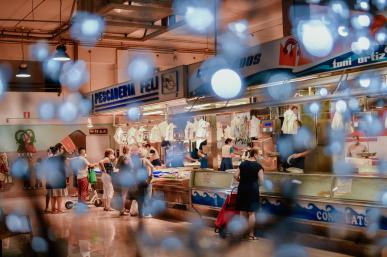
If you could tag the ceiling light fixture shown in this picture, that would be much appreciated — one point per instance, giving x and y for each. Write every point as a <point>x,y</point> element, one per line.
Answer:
<point>23,73</point>
<point>61,54</point>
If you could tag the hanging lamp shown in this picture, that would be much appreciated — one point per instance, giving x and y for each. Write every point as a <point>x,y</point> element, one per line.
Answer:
<point>61,54</point>
<point>23,72</point>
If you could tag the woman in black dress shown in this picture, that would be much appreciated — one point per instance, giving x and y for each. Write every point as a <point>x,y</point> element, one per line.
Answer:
<point>250,176</point>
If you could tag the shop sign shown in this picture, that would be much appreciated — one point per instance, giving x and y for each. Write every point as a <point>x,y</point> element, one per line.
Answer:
<point>163,86</point>
<point>285,58</point>
<point>98,131</point>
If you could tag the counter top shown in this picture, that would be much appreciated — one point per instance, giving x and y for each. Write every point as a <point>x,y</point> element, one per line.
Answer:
<point>328,174</point>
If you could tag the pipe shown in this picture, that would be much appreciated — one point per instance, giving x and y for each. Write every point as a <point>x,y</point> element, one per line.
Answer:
<point>28,20</point>
<point>33,9</point>
<point>156,49</point>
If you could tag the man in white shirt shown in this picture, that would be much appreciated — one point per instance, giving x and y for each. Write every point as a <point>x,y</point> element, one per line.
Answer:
<point>355,149</point>
<point>80,166</point>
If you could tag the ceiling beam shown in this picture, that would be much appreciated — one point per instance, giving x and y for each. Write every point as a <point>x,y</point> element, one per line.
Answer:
<point>165,10</point>
<point>142,25</point>
<point>162,31</point>
<point>165,3</point>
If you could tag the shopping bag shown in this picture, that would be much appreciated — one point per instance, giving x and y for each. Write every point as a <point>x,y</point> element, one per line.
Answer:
<point>92,176</point>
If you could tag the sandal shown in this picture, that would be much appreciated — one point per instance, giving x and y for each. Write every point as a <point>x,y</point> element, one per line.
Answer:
<point>252,238</point>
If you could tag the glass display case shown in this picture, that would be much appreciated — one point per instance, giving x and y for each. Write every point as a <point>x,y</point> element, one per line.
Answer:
<point>322,198</point>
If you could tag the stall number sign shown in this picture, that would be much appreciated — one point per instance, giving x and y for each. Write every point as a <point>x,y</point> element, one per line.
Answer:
<point>98,131</point>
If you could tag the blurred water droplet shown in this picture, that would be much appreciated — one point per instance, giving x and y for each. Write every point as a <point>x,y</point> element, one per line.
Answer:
<point>239,27</point>
<point>384,199</point>
<point>74,74</point>
<point>362,44</point>
<point>341,167</point>
<point>171,244</point>
<point>314,108</point>
<point>340,8</point>
<point>85,106</point>
<point>134,113</point>
<point>81,208</point>
<point>20,168</point>
<point>68,111</point>
<point>382,167</point>
<point>52,69</point>
<point>343,31</point>
<point>353,104</point>
<point>199,19</point>
<point>364,5</point>
<point>361,21</point>
<point>316,37</point>
<point>281,89</point>
<point>39,244</point>
<point>262,217</point>
<point>290,250</point>
<point>17,223</point>
<point>371,126</point>
<point>226,83</point>
<point>268,184</point>
<point>141,68</point>
<point>237,226</point>
<point>47,110</point>
<point>341,106</point>
<point>39,51</point>
<point>87,27</point>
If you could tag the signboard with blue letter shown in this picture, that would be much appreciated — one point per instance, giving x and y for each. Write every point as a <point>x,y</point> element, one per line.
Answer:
<point>163,86</point>
<point>284,58</point>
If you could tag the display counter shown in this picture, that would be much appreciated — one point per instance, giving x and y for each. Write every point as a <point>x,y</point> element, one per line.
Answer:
<point>321,198</point>
<point>173,183</point>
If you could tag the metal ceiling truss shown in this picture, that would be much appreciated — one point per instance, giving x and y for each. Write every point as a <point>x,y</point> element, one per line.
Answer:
<point>161,20</point>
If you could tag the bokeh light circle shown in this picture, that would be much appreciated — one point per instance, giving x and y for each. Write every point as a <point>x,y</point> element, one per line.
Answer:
<point>316,37</point>
<point>226,83</point>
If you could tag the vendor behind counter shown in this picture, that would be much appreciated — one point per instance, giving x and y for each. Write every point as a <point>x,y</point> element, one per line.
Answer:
<point>293,148</point>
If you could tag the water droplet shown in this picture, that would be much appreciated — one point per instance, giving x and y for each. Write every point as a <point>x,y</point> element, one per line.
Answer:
<point>226,83</point>
<point>47,110</point>
<point>316,37</point>
<point>39,244</point>
<point>199,18</point>
<point>68,111</point>
<point>134,113</point>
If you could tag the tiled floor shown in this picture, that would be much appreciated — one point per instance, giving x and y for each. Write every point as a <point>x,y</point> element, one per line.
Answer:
<point>99,233</point>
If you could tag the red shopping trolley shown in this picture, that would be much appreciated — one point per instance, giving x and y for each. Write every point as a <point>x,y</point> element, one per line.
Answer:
<point>226,214</point>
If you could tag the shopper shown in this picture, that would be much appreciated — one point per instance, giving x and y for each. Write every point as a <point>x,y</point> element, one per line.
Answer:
<point>107,167</point>
<point>250,176</point>
<point>44,170</point>
<point>124,176</point>
<point>154,159</point>
<point>202,153</point>
<point>4,169</point>
<point>57,178</point>
<point>227,153</point>
<point>38,178</point>
<point>143,171</point>
<point>80,166</point>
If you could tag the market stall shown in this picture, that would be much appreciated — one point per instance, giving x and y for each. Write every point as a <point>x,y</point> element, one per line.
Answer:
<point>331,115</point>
